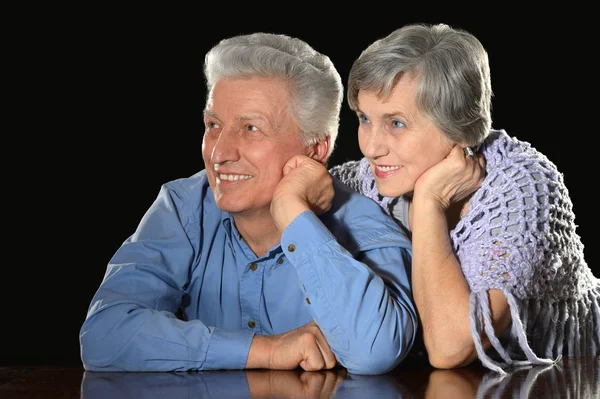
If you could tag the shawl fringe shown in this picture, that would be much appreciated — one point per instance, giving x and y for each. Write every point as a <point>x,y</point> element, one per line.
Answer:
<point>574,323</point>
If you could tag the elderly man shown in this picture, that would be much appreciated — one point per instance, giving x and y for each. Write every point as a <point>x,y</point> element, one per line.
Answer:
<point>260,260</point>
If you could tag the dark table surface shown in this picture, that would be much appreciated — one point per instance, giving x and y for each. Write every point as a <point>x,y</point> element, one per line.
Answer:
<point>568,378</point>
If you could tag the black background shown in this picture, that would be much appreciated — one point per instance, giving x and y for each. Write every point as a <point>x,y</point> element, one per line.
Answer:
<point>103,104</point>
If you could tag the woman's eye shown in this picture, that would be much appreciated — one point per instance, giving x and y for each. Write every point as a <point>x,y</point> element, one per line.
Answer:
<point>363,119</point>
<point>397,124</point>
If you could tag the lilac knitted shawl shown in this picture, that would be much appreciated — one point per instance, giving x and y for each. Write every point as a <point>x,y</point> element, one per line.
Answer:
<point>518,236</point>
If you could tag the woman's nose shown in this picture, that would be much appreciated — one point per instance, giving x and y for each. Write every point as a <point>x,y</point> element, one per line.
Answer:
<point>375,145</point>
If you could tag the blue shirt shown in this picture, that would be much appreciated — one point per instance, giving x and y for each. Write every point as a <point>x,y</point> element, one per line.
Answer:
<point>348,270</point>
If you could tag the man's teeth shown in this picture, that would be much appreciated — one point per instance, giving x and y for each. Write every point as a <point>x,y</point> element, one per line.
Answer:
<point>234,177</point>
<point>387,168</point>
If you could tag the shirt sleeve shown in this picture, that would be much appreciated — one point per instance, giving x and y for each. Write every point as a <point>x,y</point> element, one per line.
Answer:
<point>362,300</point>
<point>131,323</point>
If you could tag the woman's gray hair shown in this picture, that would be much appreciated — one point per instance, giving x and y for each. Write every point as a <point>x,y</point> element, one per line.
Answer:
<point>453,88</point>
<point>316,87</point>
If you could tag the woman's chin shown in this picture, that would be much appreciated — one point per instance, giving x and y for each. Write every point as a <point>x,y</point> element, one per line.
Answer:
<point>391,192</point>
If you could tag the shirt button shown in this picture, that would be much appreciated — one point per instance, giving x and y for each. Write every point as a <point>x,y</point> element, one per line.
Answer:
<point>291,247</point>
<point>308,301</point>
<point>253,266</point>
<point>251,324</point>
<point>280,260</point>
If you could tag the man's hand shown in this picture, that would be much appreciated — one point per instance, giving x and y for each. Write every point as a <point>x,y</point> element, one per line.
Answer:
<point>306,184</point>
<point>304,347</point>
<point>294,384</point>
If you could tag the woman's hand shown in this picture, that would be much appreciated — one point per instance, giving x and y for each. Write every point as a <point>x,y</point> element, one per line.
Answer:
<point>453,179</point>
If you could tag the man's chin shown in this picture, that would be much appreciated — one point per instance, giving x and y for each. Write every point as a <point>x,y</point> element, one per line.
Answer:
<point>228,207</point>
<point>234,207</point>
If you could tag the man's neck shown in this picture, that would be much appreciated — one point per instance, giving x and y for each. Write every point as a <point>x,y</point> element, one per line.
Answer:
<point>258,230</point>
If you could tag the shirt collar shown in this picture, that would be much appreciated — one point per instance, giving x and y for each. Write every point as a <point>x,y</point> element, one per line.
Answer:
<point>229,225</point>
<point>235,236</point>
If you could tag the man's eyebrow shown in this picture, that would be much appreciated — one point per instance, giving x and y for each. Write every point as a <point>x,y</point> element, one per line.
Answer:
<point>262,118</point>
<point>210,113</point>
<point>243,118</point>
<point>251,117</point>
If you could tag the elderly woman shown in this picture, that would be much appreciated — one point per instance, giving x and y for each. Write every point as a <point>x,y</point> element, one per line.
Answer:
<point>498,268</point>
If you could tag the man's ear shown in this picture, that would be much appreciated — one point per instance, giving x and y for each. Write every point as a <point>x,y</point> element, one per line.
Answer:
<point>320,150</point>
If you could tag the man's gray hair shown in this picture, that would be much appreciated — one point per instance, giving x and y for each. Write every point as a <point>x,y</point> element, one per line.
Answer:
<point>315,85</point>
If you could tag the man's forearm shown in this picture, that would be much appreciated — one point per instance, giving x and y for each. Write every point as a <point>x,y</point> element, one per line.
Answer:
<point>370,323</point>
<point>369,328</point>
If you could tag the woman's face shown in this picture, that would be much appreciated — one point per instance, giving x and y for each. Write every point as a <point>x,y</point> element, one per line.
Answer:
<point>399,141</point>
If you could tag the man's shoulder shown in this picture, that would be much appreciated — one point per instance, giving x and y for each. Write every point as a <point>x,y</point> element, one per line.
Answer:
<point>359,219</point>
<point>192,192</point>
<point>352,204</point>
<point>191,185</point>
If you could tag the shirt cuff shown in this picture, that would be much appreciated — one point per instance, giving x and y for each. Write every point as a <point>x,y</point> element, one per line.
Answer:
<point>228,349</point>
<point>303,236</point>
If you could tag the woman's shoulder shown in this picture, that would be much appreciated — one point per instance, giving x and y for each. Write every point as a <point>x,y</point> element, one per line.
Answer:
<point>514,164</point>
<point>349,173</point>
<point>348,168</point>
<point>522,188</point>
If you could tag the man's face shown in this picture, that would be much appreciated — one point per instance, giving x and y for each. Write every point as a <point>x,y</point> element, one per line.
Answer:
<point>250,135</point>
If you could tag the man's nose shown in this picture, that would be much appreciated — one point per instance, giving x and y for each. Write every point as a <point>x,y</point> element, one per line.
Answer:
<point>225,147</point>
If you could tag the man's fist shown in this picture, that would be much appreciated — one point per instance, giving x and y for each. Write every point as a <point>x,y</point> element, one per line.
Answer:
<point>306,185</point>
<point>304,347</point>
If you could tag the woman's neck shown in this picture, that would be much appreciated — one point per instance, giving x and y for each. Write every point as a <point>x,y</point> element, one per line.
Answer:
<point>454,213</point>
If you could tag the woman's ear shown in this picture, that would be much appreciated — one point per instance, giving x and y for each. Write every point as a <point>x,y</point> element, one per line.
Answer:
<point>319,151</point>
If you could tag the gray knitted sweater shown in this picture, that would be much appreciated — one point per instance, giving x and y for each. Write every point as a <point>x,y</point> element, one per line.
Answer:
<point>518,236</point>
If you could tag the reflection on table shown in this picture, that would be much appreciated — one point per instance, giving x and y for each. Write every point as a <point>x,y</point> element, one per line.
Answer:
<point>569,378</point>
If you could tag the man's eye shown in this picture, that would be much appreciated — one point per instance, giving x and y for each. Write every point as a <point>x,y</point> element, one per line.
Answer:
<point>251,128</point>
<point>210,124</point>
<point>363,119</point>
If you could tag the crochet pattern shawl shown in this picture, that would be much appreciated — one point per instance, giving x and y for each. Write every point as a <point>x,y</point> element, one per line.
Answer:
<point>518,236</point>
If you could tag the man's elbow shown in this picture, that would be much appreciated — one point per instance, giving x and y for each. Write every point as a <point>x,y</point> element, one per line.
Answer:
<point>383,355</point>
<point>92,356</point>
<point>372,365</point>
<point>95,354</point>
